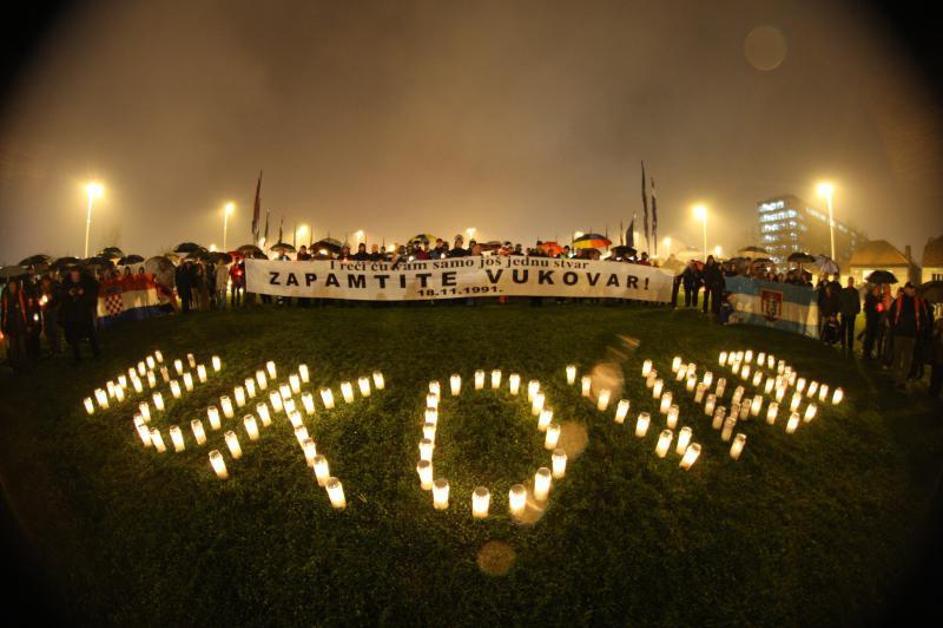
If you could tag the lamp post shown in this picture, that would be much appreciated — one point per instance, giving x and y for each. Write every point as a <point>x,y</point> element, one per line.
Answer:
<point>826,189</point>
<point>700,212</point>
<point>470,232</point>
<point>93,190</point>
<point>667,243</point>
<point>228,209</point>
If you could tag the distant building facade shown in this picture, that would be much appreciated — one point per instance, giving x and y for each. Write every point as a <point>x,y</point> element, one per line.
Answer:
<point>882,255</point>
<point>933,260</point>
<point>788,224</point>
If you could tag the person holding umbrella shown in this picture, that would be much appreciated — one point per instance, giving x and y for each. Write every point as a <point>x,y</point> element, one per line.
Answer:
<point>15,323</point>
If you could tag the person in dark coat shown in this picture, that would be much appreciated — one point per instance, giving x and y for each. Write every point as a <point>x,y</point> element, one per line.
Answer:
<point>936,359</point>
<point>183,278</point>
<point>691,279</point>
<point>849,304</point>
<point>713,285</point>
<point>49,302</point>
<point>361,255</point>
<point>872,320</point>
<point>905,329</point>
<point>15,323</point>
<point>77,311</point>
<point>458,250</point>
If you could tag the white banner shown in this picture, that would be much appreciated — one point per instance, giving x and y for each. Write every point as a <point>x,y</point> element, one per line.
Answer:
<point>457,278</point>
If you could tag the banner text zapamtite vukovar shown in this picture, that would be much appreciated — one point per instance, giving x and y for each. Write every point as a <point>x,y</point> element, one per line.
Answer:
<point>458,277</point>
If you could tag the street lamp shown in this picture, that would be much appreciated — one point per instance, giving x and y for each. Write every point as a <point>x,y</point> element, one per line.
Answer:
<point>228,209</point>
<point>700,212</point>
<point>93,190</point>
<point>826,189</point>
<point>301,233</point>
<point>470,232</point>
<point>667,242</point>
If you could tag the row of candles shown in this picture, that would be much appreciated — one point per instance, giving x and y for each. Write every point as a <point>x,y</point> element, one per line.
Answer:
<point>481,495</point>
<point>121,387</point>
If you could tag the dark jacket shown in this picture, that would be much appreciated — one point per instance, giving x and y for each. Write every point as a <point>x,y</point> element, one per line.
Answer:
<point>79,301</point>
<point>849,302</point>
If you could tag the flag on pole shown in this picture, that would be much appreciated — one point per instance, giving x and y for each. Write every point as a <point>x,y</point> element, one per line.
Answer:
<point>257,208</point>
<point>281,223</point>
<point>645,207</point>
<point>654,217</point>
<point>265,237</point>
<point>630,233</point>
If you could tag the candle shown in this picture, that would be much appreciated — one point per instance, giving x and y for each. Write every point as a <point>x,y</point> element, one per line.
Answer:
<point>496,378</point>
<point>212,414</point>
<point>434,388</point>
<point>542,481</point>
<point>251,427</point>
<point>301,434</point>
<point>431,415</point>
<point>771,412</point>
<point>586,383</point>
<point>571,373</point>
<point>285,391</point>
<point>175,389</point>
<point>322,470</point>
<point>622,410</point>
<point>158,355</point>
<point>537,404</point>
<point>176,437</point>
<point>744,409</point>
<point>676,364</point>
<point>780,393</point>
<point>378,380</point>
<point>119,393</point>
<point>249,385</point>
<point>89,406</point>
<point>455,384</point>
<point>226,404</point>
<point>558,461</point>
<point>812,388</point>
<point>664,442</point>
<point>641,426</point>
<point>656,388</point>
<point>709,404</point>
<point>681,373</point>
<point>739,442</point>
<point>602,400</point>
<point>335,492</point>
<point>275,398</point>
<point>552,437</point>
<point>218,464</point>
<point>262,410</point>
<point>690,384</point>
<point>837,396</point>
<point>110,387</point>
<point>756,405</point>
<point>718,420</point>
<point>307,400</point>
<point>261,379</point>
<point>809,412</point>
<point>699,393</point>
<point>432,401</point>
<point>533,386</point>
<point>721,387</point>
<point>164,375</point>
<point>768,387</point>
<point>424,469</point>
<point>157,441</point>
<point>690,456</point>
<point>479,379</point>
<point>440,494</point>
<point>143,432</point>
<point>723,358</point>
<point>149,360</point>
<point>748,356</point>
<point>270,368</point>
<point>729,423</point>
<point>232,441</point>
<point>708,379</point>
<point>544,419</point>
<point>735,368</point>
<point>327,398</point>
<point>646,368</point>
<point>191,360</point>
<point>303,373</point>
<point>795,401</point>
<point>514,383</point>
<point>198,432</point>
<point>481,502</point>
<point>136,382</point>
<point>178,366</point>
<point>152,379</point>
<point>294,382</point>
<point>347,391</point>
<point>426,446</point>
<point>517,500</point>
<point>363,383</point>
<point>737,394</point>
<point>684,439</point>
<point>823,393</point>
<point>428,430</point>
<point>665,402</point>
<point>757,378</point>
<point>102,397</point>
<point>650,379</point>
<point>310,450</point>
<point>673,416</point>
<point>800,384</point>
<point>158,401</point>
<point>188,381</point>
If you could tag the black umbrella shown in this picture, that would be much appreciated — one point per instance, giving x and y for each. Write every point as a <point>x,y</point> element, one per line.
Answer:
<point>65,262</point>
<point>9,272</point>
<point>257,255</point>
<point>763,261</point>
<point>187,247</point>
<point>98,261</point>
<point>111,252</point>
<point>200,254</point>
<point>327,244</point>
<point>35,260</point>
<point>127,260</point>
<point>932,291</point>
<point>752,249</point>
<point>622,251</point>
<point>282,247</point>
<point>881,276</point>
<point>800,258</point>
<point>218,256</point>
<point>246,249</point>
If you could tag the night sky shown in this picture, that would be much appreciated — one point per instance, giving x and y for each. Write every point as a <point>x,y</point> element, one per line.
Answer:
<point>526,120</point>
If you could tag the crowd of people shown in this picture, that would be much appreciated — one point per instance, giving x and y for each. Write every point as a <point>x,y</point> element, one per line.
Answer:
<point>899,333</point>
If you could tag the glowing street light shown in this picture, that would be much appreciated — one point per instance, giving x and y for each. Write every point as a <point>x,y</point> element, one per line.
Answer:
<point>826,189</point>
<point>301,233</point>
<point>700,212</point>
<point>470,232</point>
<point>93,190</point>
<point>228,209</point>
<point>666,241</point>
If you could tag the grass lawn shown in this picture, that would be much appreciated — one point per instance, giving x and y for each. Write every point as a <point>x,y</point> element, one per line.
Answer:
<point>818,527</point>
